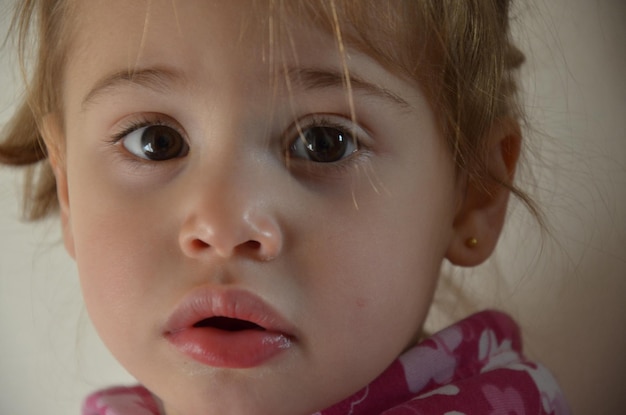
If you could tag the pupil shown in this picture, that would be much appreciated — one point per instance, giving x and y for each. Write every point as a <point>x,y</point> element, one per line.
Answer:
<point>325,144</point>
<point>161,143</point>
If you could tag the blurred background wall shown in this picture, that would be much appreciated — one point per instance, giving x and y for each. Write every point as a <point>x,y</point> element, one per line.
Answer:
<point>567,289</point>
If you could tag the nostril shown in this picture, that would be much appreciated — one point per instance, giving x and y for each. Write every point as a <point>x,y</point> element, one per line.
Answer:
<point>249,248</point>
<point>260,239</point>
<point>198,244</point>
<point>253,245</point>
<point>256,249</point>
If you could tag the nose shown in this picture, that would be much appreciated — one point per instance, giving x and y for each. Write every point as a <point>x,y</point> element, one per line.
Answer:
<point>228,199</point>
<point>223,233</point>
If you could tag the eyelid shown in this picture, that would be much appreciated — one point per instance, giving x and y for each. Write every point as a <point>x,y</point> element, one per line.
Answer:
<point>136,122</point>
<point>338,122</point>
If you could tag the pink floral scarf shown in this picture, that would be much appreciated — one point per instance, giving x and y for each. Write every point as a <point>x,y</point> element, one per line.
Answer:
<point>473,367</point>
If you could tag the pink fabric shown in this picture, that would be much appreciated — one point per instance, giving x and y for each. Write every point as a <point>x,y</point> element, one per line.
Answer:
<point>472,367</point>
<point>121,400</point>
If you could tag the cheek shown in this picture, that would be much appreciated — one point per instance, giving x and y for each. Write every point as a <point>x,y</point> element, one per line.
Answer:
<point>108,250</point>
<point>380,271</point>
<point>117,244</point>
<point>369,288</point>
<point>378,265</point>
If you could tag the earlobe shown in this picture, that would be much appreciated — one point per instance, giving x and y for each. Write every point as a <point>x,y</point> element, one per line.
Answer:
<point>481,215</point>
<point>52,134</point>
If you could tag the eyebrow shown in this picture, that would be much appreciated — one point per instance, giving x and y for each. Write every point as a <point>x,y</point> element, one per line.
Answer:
<point>160,80</point>
<point>157,79</point>
<point>317,78</point>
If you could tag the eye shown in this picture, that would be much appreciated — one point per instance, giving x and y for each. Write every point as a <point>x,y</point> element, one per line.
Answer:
<point>323,144</point>
<point>156,143</point>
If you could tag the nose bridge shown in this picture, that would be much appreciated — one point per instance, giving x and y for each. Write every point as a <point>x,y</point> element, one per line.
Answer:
<point>228,206</point>
<point>231,176</point>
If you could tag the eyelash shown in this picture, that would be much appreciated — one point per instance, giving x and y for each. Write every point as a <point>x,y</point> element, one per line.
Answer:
<point>141,122</point>
<point>359,155</point>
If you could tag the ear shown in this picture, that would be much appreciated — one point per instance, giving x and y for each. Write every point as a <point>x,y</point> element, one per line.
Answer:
<point>479,220</point>
<point>52,133</point>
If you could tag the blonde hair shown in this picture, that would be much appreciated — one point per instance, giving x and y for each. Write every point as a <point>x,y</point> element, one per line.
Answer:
<point>38,27</point>
<point>459,52</point>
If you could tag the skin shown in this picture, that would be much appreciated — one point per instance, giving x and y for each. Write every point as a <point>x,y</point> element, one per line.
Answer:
<point>347,252</point>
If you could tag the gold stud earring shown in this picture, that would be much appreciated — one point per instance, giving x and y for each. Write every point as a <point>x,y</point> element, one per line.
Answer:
<point>471,242</point>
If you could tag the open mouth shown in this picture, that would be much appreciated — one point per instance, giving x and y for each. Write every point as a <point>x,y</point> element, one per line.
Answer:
<point>228,328</point>
<point>228,324</point>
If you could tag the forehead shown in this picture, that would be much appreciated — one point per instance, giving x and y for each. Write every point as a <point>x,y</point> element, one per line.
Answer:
<point>132,31</point>
<point>382,30</point>
<point>203,37</point>
<point>210,45</point>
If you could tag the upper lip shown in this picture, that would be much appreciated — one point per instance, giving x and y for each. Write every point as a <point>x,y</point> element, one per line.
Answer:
<point>206,302</point>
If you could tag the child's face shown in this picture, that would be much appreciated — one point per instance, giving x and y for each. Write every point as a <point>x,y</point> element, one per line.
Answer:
<point>334,249</point>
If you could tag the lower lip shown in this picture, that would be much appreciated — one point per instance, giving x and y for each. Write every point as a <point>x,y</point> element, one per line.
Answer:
<point>220,348</point>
